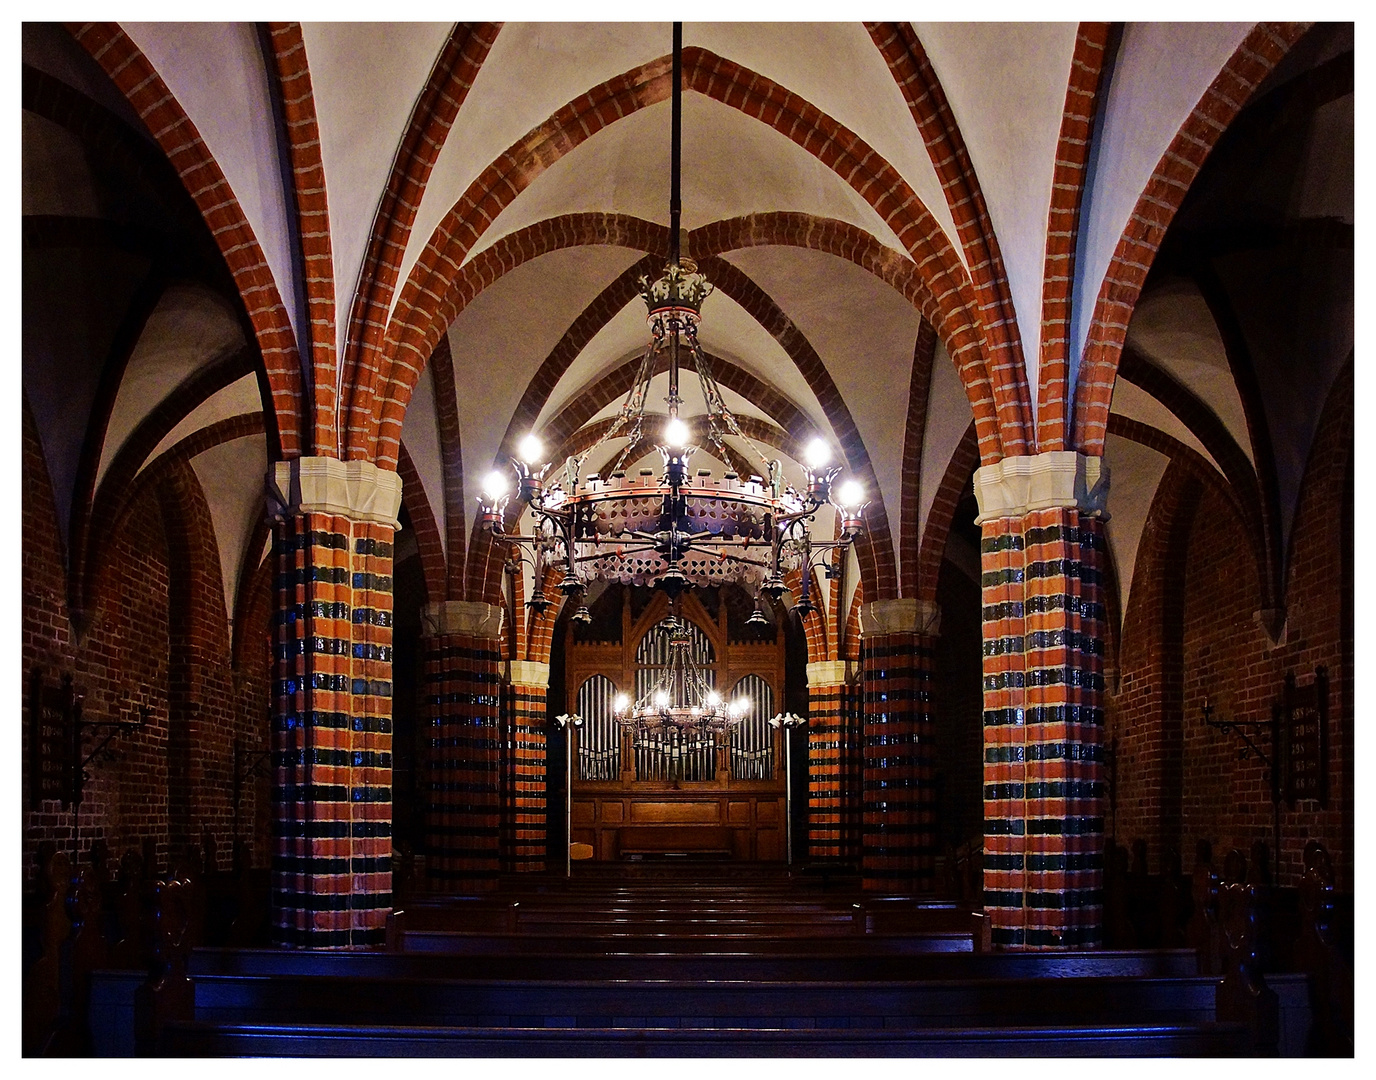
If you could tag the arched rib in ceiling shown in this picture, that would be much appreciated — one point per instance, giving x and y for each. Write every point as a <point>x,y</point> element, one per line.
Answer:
<point>1172,327</point>
<point>191,327</point>
<point>423,299</point>
<point>732,166</point>
<point>1161,72</point>
<point>805,58</point>
<point>1006,86</point>
<point>366,78</point>
<point>420,437</point>
<point>217,74</point>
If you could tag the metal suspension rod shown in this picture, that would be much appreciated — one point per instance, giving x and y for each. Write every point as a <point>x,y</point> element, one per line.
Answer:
<point>676,144</point>
<point>675,204</point>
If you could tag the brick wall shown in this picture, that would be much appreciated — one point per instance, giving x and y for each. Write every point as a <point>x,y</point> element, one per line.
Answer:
<point>1190,631</point>
<point>157,638</point>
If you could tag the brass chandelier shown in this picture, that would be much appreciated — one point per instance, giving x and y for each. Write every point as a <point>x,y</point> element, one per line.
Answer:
<point>681,696</point>
<point>672,530</point>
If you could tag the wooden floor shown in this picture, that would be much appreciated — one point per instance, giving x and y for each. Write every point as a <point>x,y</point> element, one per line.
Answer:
<point>695,960</point>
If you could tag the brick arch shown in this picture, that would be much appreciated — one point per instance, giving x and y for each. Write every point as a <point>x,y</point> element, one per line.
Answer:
<point>942,515</point>
<point>89,540</point>
<point>921,89</point>
<point>1201,421</point>
<point>418,317</point>
<point>253,610</point>
<point>198,442</point>
<point>200,758</point>
<point>1192,462</point>
<point>814,625</point>
<point>253,604</point>
<point>845,241</point>
<point>308,197</point>
<point>1331,453</point>
<point>1063,226</point>
<point>451,468</point>
<point>540,628</point>
<point>427,531</point>
<point>553,234</point>
<point>1254,59</point>
<point>455,69</point>
<point>136,78</point>
<point>850,646</point>
<point>914,437</point>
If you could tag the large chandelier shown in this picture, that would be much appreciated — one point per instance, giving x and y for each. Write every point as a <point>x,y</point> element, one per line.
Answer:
<point>674,529</point>
<point>681,696</point>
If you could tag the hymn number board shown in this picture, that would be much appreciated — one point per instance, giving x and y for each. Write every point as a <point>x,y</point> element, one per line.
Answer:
<point>1304,739</point>
<point>54,741</point>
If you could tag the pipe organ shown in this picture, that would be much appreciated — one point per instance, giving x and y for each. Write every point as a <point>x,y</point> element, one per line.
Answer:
<point>641,794</point>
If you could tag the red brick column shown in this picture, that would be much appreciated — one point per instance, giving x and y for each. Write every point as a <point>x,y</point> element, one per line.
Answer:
<point>899,792</point>
<point>461,704</point>
<point>833,758</point>
<point>1042,560</point>
<point>332,729</point>
<point>523,804</point>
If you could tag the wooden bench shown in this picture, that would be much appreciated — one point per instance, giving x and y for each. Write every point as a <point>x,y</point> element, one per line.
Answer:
<point>857,958</point>
<point>231,1040</point>
<point>294,1000</point>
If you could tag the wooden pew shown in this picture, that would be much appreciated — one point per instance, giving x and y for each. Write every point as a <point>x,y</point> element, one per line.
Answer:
<point>293,1000</point>
<point>843,960</point>
<point>211,1040</point>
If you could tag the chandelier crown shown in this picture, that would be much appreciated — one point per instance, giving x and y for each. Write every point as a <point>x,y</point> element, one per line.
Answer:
<point>680,289</point>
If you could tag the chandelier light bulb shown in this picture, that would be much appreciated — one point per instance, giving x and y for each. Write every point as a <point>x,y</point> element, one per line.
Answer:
<point>851,495</point>
<point>620,702</point>
<point>714,699</point>
<point>532,449</point>
<point>676,433</point>
<point>817,454</point>
<point>495,486</point>
<point>661,698</point>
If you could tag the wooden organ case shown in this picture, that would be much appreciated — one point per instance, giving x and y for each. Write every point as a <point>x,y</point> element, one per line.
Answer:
<point>640,795</point>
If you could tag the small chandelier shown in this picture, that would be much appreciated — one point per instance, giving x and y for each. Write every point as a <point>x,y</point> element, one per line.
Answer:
<point>681,698</point>
<point>673,530</point>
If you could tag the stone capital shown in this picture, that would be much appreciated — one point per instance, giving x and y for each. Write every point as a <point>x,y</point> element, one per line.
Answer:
<point>527,673</point>
<point>1058,478</point>
<point>830,672</point>
<point>467,617</point>
<point>357,490</point>
<point>906,616</point>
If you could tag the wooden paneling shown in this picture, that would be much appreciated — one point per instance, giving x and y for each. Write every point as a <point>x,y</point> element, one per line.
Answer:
<point>703,813</point>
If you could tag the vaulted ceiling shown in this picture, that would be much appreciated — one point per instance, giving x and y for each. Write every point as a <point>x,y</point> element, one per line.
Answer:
<point>417,242</point>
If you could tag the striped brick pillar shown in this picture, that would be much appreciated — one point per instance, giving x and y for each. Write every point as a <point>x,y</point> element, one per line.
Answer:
<point>461,706</point>
<point>523,805</point>
<point>899,790</point>
<point>833,772</point>
<point>1042,558</point>
<point>334,523</point>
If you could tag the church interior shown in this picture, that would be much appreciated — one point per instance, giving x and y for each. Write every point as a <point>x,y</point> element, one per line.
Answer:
<point>957,660</point>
